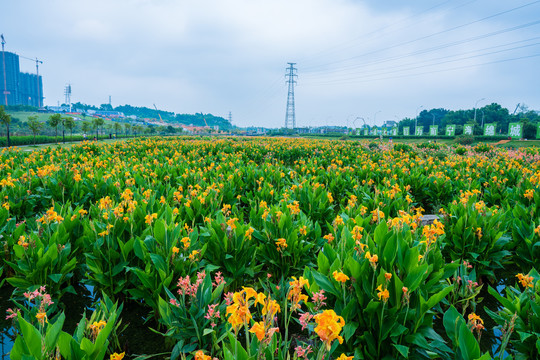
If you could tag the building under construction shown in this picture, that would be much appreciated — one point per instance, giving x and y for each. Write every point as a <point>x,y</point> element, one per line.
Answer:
<point>18,88</point>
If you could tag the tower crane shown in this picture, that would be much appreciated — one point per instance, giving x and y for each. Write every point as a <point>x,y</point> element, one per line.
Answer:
<point>205,123</point>
<point>37,75</point>
<point>4,68</point>
<point>158,113</point>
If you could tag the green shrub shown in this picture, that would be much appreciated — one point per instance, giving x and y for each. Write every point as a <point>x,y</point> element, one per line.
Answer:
<point>481,148</point>
<point>41,139</point>
<point>465,139</point>
<point>428,145</point>
<point>403,148</point>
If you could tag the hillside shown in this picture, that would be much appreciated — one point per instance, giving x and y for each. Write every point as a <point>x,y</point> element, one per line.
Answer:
<point>167,116</point>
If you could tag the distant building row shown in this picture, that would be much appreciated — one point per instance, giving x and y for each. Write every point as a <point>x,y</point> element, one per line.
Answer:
<point>18,88</point>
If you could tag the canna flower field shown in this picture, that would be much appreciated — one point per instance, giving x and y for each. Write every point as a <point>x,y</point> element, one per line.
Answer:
<point>272,248</point>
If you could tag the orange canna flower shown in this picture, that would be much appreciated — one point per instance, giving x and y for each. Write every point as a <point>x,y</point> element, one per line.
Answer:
<point>281,244</point>
<point>382,294</point>
<point>295,292</point>
<point>258,330</point>
<point>525,280</point>
<point>199,355</point>
<point>329,238</point>
<point>329,325</point>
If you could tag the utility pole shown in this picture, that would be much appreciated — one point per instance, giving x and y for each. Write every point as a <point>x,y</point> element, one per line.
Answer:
<point>475,108</point>
<point>37,81</point>
<point>290,116</point>
<point>230,117</point>
<point>4,68</point>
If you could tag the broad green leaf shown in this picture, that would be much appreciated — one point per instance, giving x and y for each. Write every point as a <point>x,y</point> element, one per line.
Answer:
<point>468,346</point>
<point>403,350</point>
<point>31,337</point>
<point>325,283</point>
<point>53,331</point>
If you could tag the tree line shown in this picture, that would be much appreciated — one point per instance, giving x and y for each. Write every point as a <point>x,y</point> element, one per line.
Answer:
<point>489,114</point>
<point>63,125</point>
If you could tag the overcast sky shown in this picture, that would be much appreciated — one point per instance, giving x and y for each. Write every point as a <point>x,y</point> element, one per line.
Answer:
<point>375,59</point>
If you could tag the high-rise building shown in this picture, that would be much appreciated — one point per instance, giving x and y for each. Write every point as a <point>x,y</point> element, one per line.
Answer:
<point>9,84</point>
<point>18,88</point>
<point>28,91</point>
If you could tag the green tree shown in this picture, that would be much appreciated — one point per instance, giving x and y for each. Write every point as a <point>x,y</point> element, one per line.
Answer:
<point>69,123</point>
<point>97,123</point>
<point>106,107</point>
<point>110,128</point>
<point>34,125</point>
<point>117,128</point>
<point>127,127</point>
<point>54,121</point>
<point>137,129</point>
<point>85,127</point>
<point>6,120</point>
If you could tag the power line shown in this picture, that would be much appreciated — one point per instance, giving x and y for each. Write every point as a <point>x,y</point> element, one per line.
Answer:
<point>432,62</point>
<point>430,72</point>
<point>379,31</point>
<point>423,37</point>
<point>371,74</point>
<point>379,61</point>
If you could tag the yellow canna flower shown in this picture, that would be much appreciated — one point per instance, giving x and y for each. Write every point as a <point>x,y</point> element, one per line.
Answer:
<point>339,276</point>
<point>42,317</point>
<point>116,356</point>
<point>150,218</point>
<point>186,242</point>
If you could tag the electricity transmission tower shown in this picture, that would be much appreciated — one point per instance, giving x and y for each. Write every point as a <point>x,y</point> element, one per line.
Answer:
<point>290,117</point>
<point>67,94</point>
